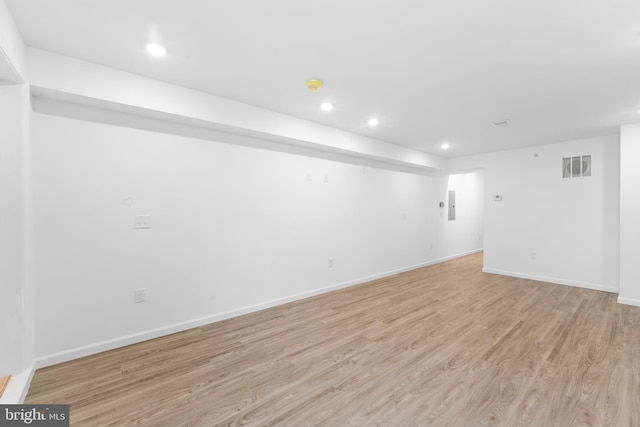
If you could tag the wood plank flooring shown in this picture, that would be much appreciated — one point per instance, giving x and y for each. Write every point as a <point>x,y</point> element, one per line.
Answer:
<point>445,345</point>
<point>4,382</point>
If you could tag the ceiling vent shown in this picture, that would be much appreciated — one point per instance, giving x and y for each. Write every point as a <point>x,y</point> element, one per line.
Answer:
<point>577,166</point>
<point>502,123</point>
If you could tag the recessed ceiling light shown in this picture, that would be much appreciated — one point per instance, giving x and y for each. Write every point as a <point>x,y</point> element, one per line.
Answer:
<point>445,146</point>
<point>326,106</point>
<point>373,122</point>
<point>156,49</point>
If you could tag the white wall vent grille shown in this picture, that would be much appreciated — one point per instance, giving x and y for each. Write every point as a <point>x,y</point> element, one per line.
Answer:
<point>577,166</point>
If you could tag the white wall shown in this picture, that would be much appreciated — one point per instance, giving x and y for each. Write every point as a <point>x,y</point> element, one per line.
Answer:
<point>15,324</point>
<point>571,225</point>
<point>16,286</point>
<point>466,231</point>
<point>629,215</point>
<point>233,229</point>
<point>10,229</point>
<point>12,50</point>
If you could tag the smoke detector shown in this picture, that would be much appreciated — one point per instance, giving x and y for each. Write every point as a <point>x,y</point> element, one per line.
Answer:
<point>314,85</point>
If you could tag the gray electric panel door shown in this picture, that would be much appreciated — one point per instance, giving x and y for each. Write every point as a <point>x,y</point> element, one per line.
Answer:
<point>452,205</point>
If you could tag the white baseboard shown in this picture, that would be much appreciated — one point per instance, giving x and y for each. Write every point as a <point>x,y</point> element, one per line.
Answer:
<point>75,353</point>
<point>448,258</point>
<point>593,286</point>
<point>629,301</point>
<point>18,386</point>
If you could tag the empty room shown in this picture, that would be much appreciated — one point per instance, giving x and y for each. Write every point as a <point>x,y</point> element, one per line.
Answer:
<point>294,213</point>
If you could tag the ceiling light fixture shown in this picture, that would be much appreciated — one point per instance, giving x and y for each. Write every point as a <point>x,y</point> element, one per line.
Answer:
<point>373,122</point>
<point>156,49</point>
<point>326,106</point>
<point>445,146</point>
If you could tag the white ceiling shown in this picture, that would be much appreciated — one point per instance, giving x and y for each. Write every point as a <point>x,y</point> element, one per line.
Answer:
<point>429,70</point>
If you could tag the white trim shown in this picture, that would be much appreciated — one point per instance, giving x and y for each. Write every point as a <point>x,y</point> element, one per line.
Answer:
<point>447,258</point>
<point>593,286</point>
<point>629,301</point>
<point>18,387</point>
<point>87,350</point>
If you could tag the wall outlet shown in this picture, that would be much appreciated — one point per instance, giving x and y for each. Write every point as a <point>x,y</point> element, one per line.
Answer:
<point>139,295</point>
<point>330,263</point>
<point>533,255</point>
<point>141,222</point>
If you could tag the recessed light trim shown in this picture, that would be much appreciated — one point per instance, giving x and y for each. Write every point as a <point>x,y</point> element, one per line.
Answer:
<point>326,106</point>
<point>156,49</point>
<point>373,122</point>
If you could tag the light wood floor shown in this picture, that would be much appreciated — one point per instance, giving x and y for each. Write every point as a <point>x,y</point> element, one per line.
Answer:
<point>444,345</point>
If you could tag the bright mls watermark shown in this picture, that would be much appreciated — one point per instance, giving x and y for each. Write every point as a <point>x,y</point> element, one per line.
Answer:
<point>34,415</point>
